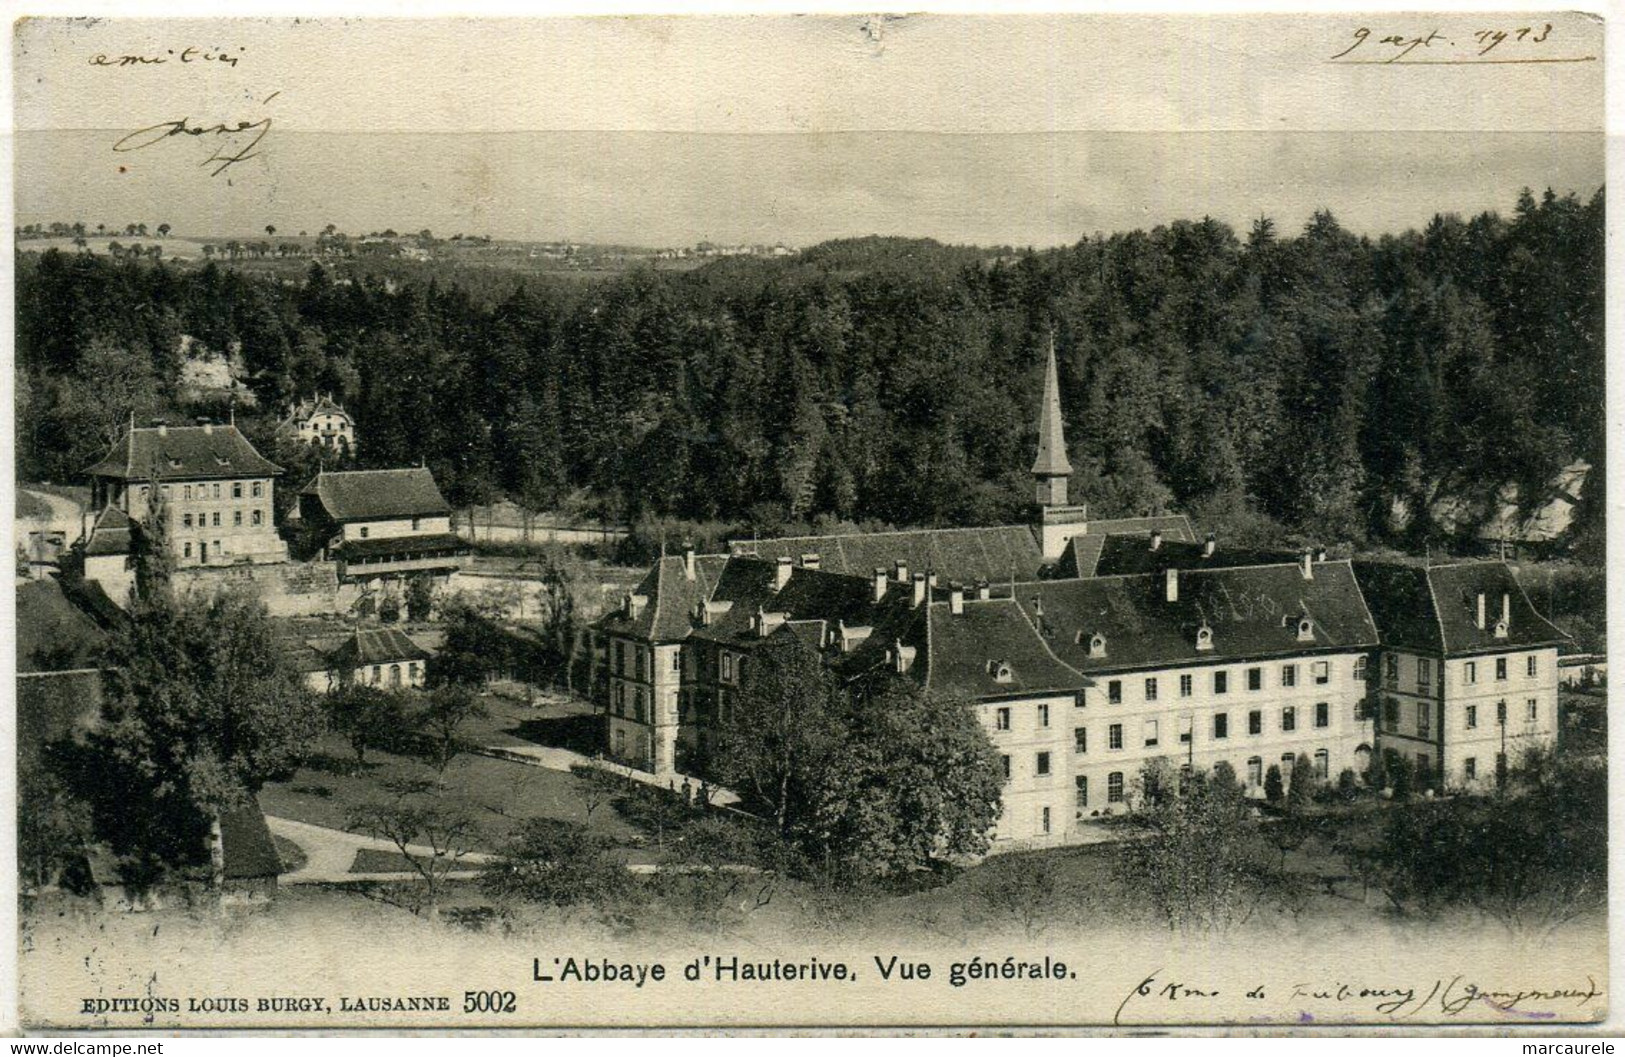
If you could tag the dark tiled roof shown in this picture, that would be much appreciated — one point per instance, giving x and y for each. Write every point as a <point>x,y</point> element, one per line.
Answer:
<point>1082,554</point>
<point>390,546</point>
<point>366,495</point>
<point>182,453</point>
<point>112,534</point>
<point>966,652</point>
<point>246,844</point>
<point>54,634</point>
<point>670,598</point>
<point>376,646</point>
<point>1435,608</point>
<point>1123,555</point>
<point>1253,612</point>
<point>999,554</point>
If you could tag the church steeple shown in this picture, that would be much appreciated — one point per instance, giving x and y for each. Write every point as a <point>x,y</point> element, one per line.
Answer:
<point>1051,468</point>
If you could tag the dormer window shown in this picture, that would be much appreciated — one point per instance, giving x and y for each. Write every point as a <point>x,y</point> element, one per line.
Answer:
<point>1204,637</point>
<point>1000,671</point>
<point>1097,645</point>
<point>1306,630</point>
<point>1500,629</point>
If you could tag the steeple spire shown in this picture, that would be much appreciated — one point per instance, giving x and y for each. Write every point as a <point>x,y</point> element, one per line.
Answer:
<point>1051,468</point>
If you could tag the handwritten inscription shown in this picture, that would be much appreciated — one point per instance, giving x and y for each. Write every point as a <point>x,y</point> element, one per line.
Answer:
<point>185,56</point>
<point>1532,43</point>
<point>231,142</point>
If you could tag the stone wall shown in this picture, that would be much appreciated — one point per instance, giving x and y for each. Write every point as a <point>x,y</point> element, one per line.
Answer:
<point>288,589</point>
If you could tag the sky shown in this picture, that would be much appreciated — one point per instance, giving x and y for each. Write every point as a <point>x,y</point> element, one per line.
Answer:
<point>668,131</point>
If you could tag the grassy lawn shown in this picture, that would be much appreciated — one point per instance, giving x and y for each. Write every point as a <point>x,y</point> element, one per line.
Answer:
<point>554,719</point>
<point>499,795</point>
<point>31,506</point>
<point>373,860</point>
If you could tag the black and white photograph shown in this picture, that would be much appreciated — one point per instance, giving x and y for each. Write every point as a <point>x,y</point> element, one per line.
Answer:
<point>941,521</point>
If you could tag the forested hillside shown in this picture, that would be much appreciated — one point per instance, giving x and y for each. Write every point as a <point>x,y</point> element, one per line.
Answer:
<point>1313,378</point>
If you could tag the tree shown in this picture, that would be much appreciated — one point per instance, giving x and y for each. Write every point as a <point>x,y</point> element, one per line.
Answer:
<point>432,835</point>
<point>556,863</point>
<point>270,230</point>
<point>780,730</point>
<point>475,647</point>
<point>201,708</point>
<point>1272,784</point>
<point>368,717</point>
<point>446,710</point>
<point>163,231</point>
<point>914,781</point>
<point>559,624</point>
<point>1302,783</point>
<point>419,597</point>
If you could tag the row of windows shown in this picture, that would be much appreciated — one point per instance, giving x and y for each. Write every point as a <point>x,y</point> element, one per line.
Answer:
<point>207,491</point>
<point>1469,670</point>
<point>257,517</point>
<point>1151,728</point>
<point>417,526</point>
<point>395,673</point>
<point>1424,715</point>
<point>1255,778</point>
<point>1320,672</point>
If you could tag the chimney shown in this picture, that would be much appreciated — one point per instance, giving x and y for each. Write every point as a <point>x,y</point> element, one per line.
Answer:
<point>956,599</point>
<point>1320,555</point>
<point>983,591</point>
<point>930,580</point>
<point>809,561</point>
<point>1480,620</point>
<point>1506,609</point>
<point>1209,546</point>
<point>1307,565</point>
<point>688,563</point>
<point>1171,578</point>
<point>163,428</point>
<point>919,588</point>
<point>901,571</point>
<point>880,583</point>
<point>781,574</point>
<point>1156,539</point>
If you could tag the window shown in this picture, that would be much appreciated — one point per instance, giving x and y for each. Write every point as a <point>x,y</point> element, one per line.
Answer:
<point>259,490</point>
<point>217,491</point>
<point>259,517</point>
<point>1390,712</point>
<point>1151,689</point>
<point>727,667</point>
<point>237,518</point>
<point>1079,701</point>
<point>363,532</point>
<point>1531,666</point>
<point>1004,761</point>
<point>1289,675</point>
<point>1255,722</point>
<point>1001,719</point>
<point>1424,719</point>
<point>1114,691</point>
<point>1044,815</point>
<point>377,669</point>
<point>1359,668</point>
<point>186,520</point>
<point>1500,668</point>
<point>1289,719</point>
<point>1391,669</point>
<point>1323,713</point>
<point>1185,686</point>
<point>1041,766</point>
<point>417,524</point>
<point>1043,715</point>
<point>1323,672</point>
<point>1255,678</point>
<point>1114,787</point>
<point>217,519</point>
<point>1534,710</point>
<point>1288,761</point>
<point>187,492</point>
<point>1469,768</point>
<point>1469,673</point>
<point>1323,764</point>
<point>394,675</point>
<point>1500,713</point>
<point>412,670</point>
<point>1255,771</point>
<point>1221,726</point>
<point>1424,673</point>
<point>1114,736</point>
<point>236,489</point>
<point>1472,717</point>
<point>186,550</point>
<point>676,660</point>
<point>1186,723</point>
<point>1081,786</point>
<point>1080,739</point>
<point>1150,733</point>
<point>1221,682</point>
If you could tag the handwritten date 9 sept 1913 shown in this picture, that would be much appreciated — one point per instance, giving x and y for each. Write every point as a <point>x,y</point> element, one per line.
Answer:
<point>232,142</point>
<point>1535,42</point>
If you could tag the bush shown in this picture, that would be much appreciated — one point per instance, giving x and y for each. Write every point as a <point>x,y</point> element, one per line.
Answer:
<point>1348,786</point>
<point>1272,784</point>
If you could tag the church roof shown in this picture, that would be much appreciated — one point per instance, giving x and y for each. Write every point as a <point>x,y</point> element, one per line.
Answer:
<point>171,453</point>
<point>1051,459</point>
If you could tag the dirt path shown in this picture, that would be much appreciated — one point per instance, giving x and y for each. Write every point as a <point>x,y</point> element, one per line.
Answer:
<point>65,513</point>
<point>329,854</point>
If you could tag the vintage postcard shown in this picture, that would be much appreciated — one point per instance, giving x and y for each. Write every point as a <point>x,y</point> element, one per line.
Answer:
<point>1015,522</point>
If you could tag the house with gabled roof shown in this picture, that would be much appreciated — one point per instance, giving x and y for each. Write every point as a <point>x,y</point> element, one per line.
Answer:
<point>387,658</point>
<point>321,420</point>
<point>1469,673</point>
<point>382,524</point>
<point>214,489</point>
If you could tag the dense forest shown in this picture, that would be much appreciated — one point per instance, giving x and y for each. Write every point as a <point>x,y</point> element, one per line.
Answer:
<point>1321,384</point>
